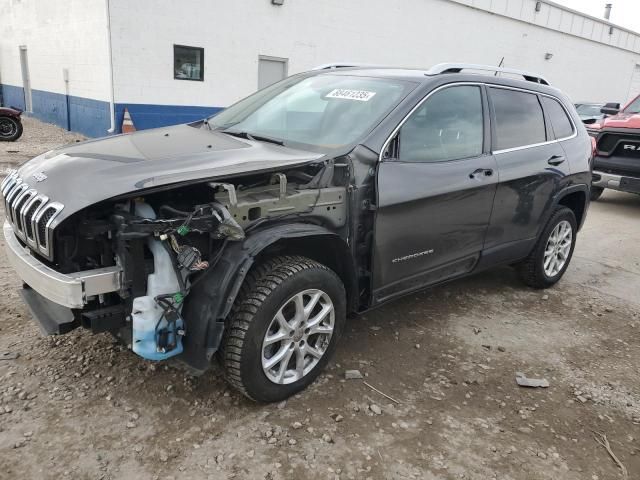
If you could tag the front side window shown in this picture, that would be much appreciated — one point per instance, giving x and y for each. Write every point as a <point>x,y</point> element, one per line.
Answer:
<point>447,126</point>
<point>188,63</point>
<point>633,107</point>
<point>323,112</point>
<point>560,123</point>
<point>519,119</point>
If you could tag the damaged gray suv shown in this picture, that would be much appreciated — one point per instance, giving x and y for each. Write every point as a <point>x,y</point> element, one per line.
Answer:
<point>251,236</point>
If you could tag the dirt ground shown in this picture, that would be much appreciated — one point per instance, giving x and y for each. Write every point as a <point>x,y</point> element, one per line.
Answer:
<point>82,407</point>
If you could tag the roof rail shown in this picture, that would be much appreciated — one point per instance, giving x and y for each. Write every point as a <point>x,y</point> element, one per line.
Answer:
<point>458,67</point>
<point>333,66</point>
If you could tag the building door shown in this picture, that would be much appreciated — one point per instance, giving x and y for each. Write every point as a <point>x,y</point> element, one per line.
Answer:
<point>271,70</point>
<point>634,87</point>
<point>26,80</point>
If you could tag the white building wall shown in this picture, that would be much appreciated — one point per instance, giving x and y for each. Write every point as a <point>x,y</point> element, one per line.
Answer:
<point>587,63</point>
<point>58,34</point>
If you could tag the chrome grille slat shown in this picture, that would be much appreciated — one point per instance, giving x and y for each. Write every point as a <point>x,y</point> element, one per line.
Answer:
<point>43,220</point>
<point>12,198</point>
<point>19,208</point>
<point>11,177</point>
<point>31,214</point>
<point>27,218</point>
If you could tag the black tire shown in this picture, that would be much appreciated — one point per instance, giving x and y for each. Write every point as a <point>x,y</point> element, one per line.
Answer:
<point>531,269</point>
<point>596,192</point>
<point>10,129</point>
<point>267,288</point>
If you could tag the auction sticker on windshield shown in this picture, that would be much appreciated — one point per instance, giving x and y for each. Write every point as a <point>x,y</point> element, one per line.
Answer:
<point>345,94</point>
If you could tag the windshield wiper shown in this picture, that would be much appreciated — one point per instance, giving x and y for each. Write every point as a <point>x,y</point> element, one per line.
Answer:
<point>250,136</point>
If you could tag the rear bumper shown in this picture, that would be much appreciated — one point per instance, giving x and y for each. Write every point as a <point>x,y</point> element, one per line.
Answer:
<point>72,290</point>
<point>610,180</point>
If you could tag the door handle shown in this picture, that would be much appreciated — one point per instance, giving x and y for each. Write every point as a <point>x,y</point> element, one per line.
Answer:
<point>556,160</point>
<point>486,172</point>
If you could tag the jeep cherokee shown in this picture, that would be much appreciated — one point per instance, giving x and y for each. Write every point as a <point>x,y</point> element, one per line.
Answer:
<point>251,235</point>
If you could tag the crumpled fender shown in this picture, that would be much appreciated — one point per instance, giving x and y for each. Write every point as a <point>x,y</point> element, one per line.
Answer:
<point>211,299</point>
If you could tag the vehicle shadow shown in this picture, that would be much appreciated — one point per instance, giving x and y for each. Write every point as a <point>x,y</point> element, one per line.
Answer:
<point>620,199</point>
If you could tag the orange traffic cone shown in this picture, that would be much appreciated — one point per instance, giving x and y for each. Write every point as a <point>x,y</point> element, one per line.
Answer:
<point>127,123</point>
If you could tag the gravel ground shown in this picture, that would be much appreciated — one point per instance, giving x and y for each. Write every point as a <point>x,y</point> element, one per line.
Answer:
<point>82,407</point>
<point>37,138</point>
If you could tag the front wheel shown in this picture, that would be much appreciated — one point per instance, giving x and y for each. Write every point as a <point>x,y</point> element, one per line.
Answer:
<point>596,192</point>
<point>10,129</point>
<point>552,253</point>
<point>283,328</point>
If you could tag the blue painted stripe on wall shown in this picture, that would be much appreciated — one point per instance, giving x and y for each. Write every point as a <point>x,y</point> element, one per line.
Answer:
<point>153,116</point>
<point>91,117</point>
<point>12,96</point>
<point>85,115</point>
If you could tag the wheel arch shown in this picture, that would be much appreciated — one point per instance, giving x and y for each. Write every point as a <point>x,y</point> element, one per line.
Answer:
<point>576,198</point>
<point>210,301</point>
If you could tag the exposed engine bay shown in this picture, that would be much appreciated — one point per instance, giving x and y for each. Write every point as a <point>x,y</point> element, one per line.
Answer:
<point>165,241</point>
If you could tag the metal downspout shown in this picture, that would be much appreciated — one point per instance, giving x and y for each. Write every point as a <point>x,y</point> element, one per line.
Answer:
<point>112,106</point>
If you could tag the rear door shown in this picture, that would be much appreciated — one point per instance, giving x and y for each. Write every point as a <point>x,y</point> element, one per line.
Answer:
<point>532,166</point>
<point>435,192</point>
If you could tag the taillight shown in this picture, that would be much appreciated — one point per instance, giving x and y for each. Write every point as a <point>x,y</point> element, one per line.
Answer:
<point>594,151</point>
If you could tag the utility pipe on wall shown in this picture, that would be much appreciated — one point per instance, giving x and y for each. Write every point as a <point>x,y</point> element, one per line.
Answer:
<point>65,76</point>
<point>112,106</point>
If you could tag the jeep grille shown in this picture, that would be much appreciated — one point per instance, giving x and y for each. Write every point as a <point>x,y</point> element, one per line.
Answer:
<point>30,213</point>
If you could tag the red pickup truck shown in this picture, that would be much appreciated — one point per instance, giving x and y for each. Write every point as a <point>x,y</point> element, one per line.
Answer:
<point>616,164</point>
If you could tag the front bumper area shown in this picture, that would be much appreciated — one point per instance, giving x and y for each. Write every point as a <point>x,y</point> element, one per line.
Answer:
<point>612,181</point>
<point>52,318</point>
<point>69,290</point>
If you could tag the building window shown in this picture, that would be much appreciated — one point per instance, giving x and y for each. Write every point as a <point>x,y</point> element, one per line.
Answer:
<point>188,63</point>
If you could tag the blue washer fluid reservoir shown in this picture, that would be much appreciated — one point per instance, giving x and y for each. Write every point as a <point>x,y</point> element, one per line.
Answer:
<point>147,316</point>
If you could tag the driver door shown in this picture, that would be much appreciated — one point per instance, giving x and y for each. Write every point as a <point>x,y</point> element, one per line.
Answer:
<point>435,195</point>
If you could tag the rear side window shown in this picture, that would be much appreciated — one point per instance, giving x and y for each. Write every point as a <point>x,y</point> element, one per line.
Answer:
<point>519,119</point>
<point>447,126</point>
<point>560,123</point>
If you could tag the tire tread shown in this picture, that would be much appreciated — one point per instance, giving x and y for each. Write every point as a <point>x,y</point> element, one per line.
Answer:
<point>260,282</point>
<point>529,268</point>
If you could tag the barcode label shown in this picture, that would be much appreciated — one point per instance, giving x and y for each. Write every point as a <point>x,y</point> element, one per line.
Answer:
<point>358,95</point>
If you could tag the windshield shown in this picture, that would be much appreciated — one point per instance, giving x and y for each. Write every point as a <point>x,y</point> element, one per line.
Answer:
<point>589,110</point>
<point>633,107</point>
<point>323,111</point>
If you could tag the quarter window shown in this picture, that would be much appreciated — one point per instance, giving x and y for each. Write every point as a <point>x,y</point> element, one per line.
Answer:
<point>560,123</point>
<point>188,63</point>
<point>447,126</point>
<point>519,119</point>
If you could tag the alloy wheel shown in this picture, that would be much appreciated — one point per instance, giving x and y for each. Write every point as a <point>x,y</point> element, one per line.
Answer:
<point>558,248</point>
<point>298,336</point>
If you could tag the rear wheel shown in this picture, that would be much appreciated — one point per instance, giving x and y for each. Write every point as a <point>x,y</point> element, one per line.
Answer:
<point>596,192</point>
<point>10,129</point>
<point>552,253</point>
<point>283,329</point>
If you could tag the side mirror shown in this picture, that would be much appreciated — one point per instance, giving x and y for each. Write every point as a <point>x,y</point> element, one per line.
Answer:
<point>610,109</point>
